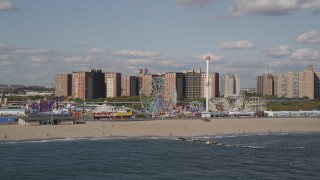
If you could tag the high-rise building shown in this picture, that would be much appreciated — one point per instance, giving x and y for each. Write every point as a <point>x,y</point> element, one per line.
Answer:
<point>113,84</point>
<point>293,82</point>
<point>297,84</point>
<point>260,85</point>
<point>230,85</point>
<point>141,72</point>
<point>145,82</point>
<point>177,81</point>
<point>265,84</point>
<point>88,85</point>
<point>275,85</point>
<point>99,87</point>
<point>129,86</point>
<point>282,84</point>
<point>317,85</point>
<point>192,83</point>
<point>213,85</point>
<point>63,85</point>
<point>82,85</point>
<point>307,83</point>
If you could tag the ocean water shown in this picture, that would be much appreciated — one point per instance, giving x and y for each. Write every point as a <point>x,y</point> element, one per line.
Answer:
<point>256,156</point>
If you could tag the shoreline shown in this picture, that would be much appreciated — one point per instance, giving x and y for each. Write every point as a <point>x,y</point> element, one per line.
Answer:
<point>160,128</point>
<point>150,137</point>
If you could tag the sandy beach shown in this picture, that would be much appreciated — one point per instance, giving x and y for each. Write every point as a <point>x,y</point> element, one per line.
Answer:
<point>177,128</point>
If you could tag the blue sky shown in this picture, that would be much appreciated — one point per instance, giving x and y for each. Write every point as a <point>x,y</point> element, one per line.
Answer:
<point>41,38</point>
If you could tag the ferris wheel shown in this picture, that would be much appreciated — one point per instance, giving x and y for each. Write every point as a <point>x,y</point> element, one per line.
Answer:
<point>158,95</point>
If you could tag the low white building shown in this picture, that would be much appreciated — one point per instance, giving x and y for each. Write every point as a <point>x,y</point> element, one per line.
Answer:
<point>292,113</point>
<point>36,120</point>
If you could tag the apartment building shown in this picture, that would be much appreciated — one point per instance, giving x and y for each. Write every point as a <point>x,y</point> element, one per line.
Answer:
<point>230,85</point>
<point>317,85</point>
<point>298,84</point>
<point>63,85</point>
<point>82,85</point>
<point>265,84</point>
<point>129,86</point>
<point>176,81</point>
<point>213,85</point>
<point>193,83</point>
<point>112,84</point>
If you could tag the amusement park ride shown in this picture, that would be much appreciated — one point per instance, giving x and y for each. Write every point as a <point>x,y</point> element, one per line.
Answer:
<point>159,97</point>
<point>207,113</point>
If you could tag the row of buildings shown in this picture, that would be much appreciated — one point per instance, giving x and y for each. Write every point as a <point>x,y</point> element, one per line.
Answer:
<point>290,84</point>
<point>97,84</point>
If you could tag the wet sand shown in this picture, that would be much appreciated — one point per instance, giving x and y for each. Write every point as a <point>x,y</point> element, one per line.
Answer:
<point>177,128</point>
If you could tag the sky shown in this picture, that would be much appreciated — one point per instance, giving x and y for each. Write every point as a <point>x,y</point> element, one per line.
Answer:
<point>42,38</point>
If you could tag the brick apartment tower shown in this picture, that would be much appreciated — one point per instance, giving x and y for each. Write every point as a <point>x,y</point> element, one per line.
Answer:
<point>82,85</point>
<point>192,83</point>
<point>129,86</point>
<point>214,85</point>
<point>113,84</point>
<point>298,84</point>
<point>307,83</point>
<point>146,83</point>
<point>88,85</point>
<point>63,85</point>
<point>176,80</point>
<point>265,84</point>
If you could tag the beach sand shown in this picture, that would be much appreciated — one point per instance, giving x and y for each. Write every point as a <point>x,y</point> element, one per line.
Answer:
<point>176,128</point>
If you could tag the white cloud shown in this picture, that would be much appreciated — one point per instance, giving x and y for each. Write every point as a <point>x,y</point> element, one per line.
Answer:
<point>38,58</point>
<point>31,76</point>
<point>97,51</point>
<point>306,54</point>
<point>278,52</point>
<point>6,5</point>
<point>72,59</point>
<point>138,61</point>
<point>241,44</point>
<point>4,57</point>
<point>36,65</point>
<point>37,75</point>
<point>31,51</point>
<point>309,37</point>
<point>130,53</point>
<point>213,57</point>
<point>5,60</point>
<point>271,7</point>
<point>197,3</point>
<point>2,45</point>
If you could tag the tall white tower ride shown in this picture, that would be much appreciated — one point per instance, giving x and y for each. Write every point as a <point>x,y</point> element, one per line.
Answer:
<point>207,114</point>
